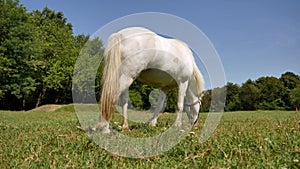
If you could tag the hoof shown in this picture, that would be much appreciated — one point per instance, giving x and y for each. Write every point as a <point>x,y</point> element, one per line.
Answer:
<point>102,129</point>
<point>152,123</point>
<point>178,124</point>
<point>105,131</point>
<point>125,127</point>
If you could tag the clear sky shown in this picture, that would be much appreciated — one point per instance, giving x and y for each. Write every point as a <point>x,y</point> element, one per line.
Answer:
<point>253,38</point>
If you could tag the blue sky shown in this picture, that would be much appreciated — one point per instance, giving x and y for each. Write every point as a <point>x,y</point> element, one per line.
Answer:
<point>253,38</point>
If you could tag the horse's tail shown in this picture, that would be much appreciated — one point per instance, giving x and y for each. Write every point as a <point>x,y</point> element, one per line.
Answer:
<point>111,75</point>
<point>198,79</point>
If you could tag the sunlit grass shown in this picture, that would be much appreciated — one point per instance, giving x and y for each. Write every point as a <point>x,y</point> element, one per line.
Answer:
<point>258,139</point>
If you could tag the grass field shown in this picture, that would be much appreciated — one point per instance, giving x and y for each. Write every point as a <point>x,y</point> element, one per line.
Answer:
<point>44,138</point>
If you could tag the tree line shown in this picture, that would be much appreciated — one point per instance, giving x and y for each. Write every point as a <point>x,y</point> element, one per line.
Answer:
<point>265,93</point>
<point>38,52</point>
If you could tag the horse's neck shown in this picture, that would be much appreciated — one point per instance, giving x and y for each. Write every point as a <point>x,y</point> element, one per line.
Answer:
<point>192,91</point>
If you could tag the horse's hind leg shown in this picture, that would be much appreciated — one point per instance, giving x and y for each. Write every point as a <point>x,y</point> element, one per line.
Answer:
<point>102,125</point>
<point>125,82</point>
<point>182,87</point>
<point>124,108</point>
<point>158,109</point>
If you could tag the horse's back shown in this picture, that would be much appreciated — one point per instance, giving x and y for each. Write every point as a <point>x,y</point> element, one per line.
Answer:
<point>136,39</point>
<point>135,30</point>
<point>143,49</point>
<point>139,38</point>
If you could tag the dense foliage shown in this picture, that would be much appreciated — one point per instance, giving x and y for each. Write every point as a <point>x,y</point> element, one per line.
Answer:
<point>265,93</point>
<point>38,52</point>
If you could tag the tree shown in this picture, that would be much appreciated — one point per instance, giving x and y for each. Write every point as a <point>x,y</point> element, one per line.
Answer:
<point>290,80</point>
<point>271,91</point>
<point>57,55</point>
<point>206,101</point>
<point>17,47</point>
<point>135,95</point>
<point>37,56</point>
<point>171,100</point>
<point>88,70</point>
<point>139,95</point>
<point>295,97</point>
<point>233,102</point>
<point>249,95</point>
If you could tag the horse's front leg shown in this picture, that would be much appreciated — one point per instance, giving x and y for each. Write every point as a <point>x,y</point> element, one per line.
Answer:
<point>159,108</point>
<point>182,87</point>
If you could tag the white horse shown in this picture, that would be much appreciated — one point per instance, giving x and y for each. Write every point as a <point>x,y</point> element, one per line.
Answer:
<point>138,53</point>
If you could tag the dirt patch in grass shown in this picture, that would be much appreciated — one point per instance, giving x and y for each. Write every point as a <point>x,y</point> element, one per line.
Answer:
<point>46,108</point>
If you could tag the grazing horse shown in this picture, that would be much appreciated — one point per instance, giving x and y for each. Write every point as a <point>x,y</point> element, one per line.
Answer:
<point>138,53</point>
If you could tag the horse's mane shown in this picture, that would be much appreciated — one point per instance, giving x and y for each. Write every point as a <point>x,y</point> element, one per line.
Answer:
<point>199,80</point>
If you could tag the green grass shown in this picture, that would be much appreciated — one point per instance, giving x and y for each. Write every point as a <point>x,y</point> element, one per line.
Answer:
<point>258,139</point>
